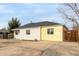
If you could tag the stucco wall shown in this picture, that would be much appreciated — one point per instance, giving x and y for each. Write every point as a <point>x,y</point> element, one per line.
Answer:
<point>34,34</point>
<point>57,36</point>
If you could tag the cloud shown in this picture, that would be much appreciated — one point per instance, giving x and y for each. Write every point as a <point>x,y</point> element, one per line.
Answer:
<point>26,12</point>
<point>32,4</point>
<point>49,18</point>
<point>52,18</point>
<point>5,9</point>
<point>40,11</point>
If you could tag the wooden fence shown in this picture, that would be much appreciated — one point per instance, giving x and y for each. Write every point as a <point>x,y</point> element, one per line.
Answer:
<point>6,36</point>
<point>73,35</point>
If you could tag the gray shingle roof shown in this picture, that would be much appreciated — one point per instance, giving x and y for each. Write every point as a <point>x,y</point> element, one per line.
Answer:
<point>44,23</point>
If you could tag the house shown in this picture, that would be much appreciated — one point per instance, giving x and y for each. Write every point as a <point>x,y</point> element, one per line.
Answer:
<point>41,31</point>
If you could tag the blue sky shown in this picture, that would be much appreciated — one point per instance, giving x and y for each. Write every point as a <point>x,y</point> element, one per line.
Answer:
<point>29,12</point>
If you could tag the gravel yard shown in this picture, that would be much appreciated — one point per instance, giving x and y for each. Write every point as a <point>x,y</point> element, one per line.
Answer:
<point>38,48</point>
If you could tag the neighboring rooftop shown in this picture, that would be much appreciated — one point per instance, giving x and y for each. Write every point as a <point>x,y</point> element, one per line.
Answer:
<point>44,23</point>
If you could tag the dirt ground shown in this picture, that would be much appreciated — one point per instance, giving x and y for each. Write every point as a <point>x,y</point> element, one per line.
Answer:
<point>38,48</point>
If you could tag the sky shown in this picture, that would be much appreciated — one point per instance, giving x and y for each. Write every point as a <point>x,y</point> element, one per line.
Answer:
<point>27,12</point>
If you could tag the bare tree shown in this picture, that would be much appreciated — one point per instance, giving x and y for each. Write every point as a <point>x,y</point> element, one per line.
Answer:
<point>75,12</point>
<point>74,7</point>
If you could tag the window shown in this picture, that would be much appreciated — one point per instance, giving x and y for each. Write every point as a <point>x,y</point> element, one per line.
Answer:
<point>17,32</point>
<point>28,32</point>
<point>50,31</point>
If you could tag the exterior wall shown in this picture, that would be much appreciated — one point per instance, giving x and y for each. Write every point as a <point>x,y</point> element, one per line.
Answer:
<point>34,34</point>
<point>57,36</point>
<point>40,33</point>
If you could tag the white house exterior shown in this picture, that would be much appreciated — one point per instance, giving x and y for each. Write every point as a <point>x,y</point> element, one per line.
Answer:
<point>34,34</point>
<point>40,31</point>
